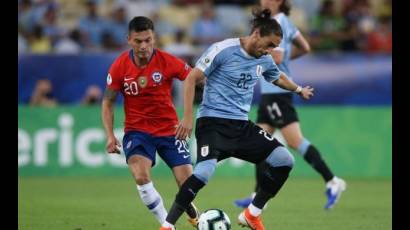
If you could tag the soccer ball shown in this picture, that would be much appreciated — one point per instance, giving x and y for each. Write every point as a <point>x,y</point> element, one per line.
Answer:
<point>214,219</point>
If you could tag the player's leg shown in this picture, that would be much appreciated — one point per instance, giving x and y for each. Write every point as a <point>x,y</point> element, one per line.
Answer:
<point>277,168</point>
<point>266,119</point>
<point>334,185</point>
<point>175,154</point>
<point>258,146</point>
<point>140,167</point>
<point>140,159</point>
<point>259,171</point>
<point>293,136</point>
<point>207,154</point>
<point>271,116</point>
<point>244,202</point>
<point>189,189</point>
<point>260,168</point>
<point>181,174</point>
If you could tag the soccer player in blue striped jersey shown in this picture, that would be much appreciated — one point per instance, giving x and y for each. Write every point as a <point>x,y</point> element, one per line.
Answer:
<point>276,109</point>
<point>232,68</point>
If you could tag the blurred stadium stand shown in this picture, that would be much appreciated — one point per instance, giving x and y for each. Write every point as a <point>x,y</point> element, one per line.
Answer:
<point>351,41</point>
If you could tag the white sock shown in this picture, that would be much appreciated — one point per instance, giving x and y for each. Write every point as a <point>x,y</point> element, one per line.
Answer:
<point>254,211</point>
<point>167,225</point>
<point>253,195</point>
<point>331,182</point>
<point>151,198</point>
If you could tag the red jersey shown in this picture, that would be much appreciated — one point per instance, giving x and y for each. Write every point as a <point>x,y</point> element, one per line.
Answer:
<point>148,103</point>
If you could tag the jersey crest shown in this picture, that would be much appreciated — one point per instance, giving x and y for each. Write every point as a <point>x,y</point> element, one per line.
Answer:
<point>157,77</point>
<point>205,150</point>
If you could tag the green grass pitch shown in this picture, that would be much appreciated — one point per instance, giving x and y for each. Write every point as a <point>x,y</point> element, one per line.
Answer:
<point>89,203</point>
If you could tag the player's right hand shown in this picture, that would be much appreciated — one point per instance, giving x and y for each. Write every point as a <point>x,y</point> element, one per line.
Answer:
<point>184,129</point>
<point>307,92</point>
<point>113,145</point>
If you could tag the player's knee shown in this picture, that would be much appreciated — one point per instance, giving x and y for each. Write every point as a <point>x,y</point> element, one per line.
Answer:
<point>294,143</point>
<point>142,179</point>
<point>205,169</point>
<point>280,156</point>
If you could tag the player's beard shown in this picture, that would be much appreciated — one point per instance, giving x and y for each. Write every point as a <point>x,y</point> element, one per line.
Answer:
<point>144,56</point>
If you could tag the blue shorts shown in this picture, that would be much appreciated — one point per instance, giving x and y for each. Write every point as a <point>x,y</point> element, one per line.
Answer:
<point>173,152</point>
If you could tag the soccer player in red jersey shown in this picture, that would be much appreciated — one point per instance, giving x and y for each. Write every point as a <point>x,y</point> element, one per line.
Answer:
<point>144,76</point>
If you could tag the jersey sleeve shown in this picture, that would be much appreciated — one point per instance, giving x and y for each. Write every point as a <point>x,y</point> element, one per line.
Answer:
<point>210,60</point>
<point>181,69</point>
<point>272,72</point>
<point>293,31</point>
<point>114,80</point>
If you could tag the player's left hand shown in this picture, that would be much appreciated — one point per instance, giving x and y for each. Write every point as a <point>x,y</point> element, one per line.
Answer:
<point>184,129</point>
<point>307,92</point>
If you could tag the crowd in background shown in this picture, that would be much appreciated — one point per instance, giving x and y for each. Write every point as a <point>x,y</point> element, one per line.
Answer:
<point>186,27</point>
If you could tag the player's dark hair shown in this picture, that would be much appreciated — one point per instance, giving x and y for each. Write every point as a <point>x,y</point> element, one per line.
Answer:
<point>264,21</point>
<point>285,7</point>
<point>140,23</point>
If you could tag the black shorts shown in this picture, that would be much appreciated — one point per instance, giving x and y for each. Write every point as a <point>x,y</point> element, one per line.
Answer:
<point>277,110</point>
<point>219,138</point>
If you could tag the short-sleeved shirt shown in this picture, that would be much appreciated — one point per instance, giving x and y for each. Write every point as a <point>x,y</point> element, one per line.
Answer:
<point>231,76</point>
<point>290,31</point>
<point>147,91</point>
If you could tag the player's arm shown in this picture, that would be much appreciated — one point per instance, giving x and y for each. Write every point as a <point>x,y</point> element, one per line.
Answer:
<point>107,115</point>
<point>300,46</point>
<point>285,83</point>
<point>184,128</point>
